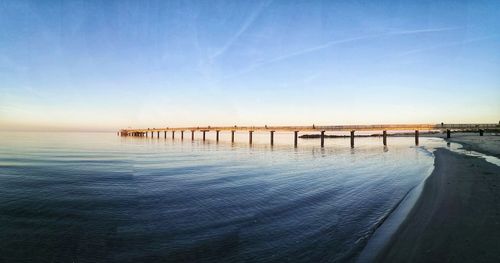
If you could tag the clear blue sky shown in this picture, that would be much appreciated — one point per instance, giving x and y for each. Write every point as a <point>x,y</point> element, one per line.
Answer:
<point>103,65</point>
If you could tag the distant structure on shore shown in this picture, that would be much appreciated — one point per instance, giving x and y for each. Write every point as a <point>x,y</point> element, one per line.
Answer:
<point>480,128</point>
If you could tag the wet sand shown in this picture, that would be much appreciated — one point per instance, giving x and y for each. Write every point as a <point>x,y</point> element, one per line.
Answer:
<point>457,217</point>
<point>488,144</point>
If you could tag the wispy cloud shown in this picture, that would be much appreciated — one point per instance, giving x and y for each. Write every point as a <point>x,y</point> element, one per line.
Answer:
<point>445,45</point>
<point>248,22</point>
<point>257,65</point>
<point>338,42</point>
<point>419,31</point>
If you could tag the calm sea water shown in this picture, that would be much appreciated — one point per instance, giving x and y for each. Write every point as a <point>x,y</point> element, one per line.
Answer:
<point>97,197</point>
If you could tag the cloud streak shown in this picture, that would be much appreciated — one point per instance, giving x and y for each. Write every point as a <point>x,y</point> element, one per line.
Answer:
<point>445,45</point>
<point>338,42</point>
<point>248,22</point>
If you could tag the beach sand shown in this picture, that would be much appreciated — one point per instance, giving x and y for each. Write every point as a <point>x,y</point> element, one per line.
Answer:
<point>457,216</point>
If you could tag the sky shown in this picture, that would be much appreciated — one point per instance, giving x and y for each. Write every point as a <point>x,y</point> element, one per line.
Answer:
<point>106,65</point>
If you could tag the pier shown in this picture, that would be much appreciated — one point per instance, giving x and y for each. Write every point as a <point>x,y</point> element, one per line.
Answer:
<point>416,128</point>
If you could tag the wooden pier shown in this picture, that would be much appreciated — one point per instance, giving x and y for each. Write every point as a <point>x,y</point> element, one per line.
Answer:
<point>443,128</point>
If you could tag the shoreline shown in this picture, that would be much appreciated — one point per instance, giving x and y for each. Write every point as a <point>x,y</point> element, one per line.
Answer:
<point>381,236</point>
<point>456,216</point>
<point>488,144</point>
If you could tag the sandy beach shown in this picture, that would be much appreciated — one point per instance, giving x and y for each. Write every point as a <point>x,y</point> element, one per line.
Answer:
<point>457,216</point>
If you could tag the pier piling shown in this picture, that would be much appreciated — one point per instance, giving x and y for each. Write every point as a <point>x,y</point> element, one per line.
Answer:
<point>232,136</point>
<point>165,134</point>
<point>272,137</point>
<point>250,136</point>
<point>448,133</point>
<point>204,135</point>
<point>173,135</point>
<point>481,131</point>
<point>192,135</point>
<point>416,137</point>
<point>384,137</point>
<point>352,139</point>
<point>322,139</point>
<point>217,135</point>
<point>182,135</point>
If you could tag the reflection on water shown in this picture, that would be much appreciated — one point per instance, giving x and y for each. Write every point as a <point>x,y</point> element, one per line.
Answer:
<point>99,197</point>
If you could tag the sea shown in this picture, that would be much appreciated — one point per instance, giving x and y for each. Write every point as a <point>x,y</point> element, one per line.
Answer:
<point>99,197</point>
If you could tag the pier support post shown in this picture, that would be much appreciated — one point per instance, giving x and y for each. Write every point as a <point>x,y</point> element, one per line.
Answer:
<point>352,139</point>
<point>158,134</point>
<point>152,134</point>
<point>272,138</point>
<point>192,135</point>
<point>322,139</point>
<point>250,137</point>
<point>173,135</point>
<point>416,137</point>
<point>204,135</point>
<point>232,136</point>
<point>182,135</point>
<point>448,133</point>
<point>384,137</point>
<point>295,135</point>
<point>146,134</point>
<point>217,136</point>
<point>481,131</point>
<point>165,135</point>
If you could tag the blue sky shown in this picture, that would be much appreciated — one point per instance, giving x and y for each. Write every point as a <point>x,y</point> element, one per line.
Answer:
<point>104,65</point>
